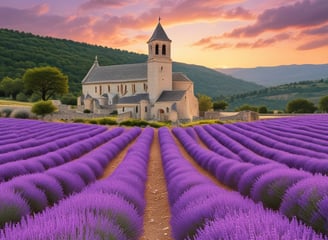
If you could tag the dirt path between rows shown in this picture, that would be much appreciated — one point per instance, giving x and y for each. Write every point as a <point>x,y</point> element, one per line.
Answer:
<point>157,211</point>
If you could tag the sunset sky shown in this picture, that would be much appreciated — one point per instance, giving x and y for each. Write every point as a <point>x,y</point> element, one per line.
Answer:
<point>213,33</point>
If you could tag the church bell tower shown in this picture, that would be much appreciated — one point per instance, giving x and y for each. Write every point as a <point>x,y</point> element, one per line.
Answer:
<point>159,70</point>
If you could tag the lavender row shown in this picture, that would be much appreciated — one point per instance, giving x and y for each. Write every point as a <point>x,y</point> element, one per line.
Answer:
<point>31,147</point>
<point>243,153</point>
<point>53,157</point>
<point>271,184</point>
<point>201,210</point>
<point>295,193</point>
<point>40,190</point>
<point>311,164</point>
<point>307,127</point>
<point>38,130</point>
<point>288,144</point>
<point>112,208</point>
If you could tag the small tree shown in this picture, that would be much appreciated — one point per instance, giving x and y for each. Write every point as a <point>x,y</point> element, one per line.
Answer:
<point>262,109</point>
<point>205,103</point>
<point>246,107</point>
<point>11,87</point>
<point>323,104</point>
<point>220,105</point>
<point>43,108</point>
<point>300,106</point>
<point>46,82</point>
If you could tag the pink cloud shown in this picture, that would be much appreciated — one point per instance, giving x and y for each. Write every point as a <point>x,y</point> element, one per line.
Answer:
<point>238,12</point>
<point>209,43</point>
<point>314,44</point>
<point>41,9</point>
<point>301,14</point>
<point>36,20</point>
<point>317,31</point>
<point>96,4</point>
<point>261,43</point>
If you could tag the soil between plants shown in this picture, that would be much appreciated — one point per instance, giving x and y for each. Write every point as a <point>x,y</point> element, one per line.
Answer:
<point>157,211</point>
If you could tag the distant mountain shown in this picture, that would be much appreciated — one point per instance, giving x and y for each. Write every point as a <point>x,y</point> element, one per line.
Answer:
<point>277,98</point>
<point>274,76</point>
<point>213,83</point>
<point>20,51</point>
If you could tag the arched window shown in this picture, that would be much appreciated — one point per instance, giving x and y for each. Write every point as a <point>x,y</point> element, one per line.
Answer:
<point>164,50</point>
<point>156,49</point>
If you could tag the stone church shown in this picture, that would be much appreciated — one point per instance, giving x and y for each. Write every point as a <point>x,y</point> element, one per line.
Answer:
<point>147,91</point>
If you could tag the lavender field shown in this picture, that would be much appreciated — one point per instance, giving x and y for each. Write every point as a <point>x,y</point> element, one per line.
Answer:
<point>53,183</point>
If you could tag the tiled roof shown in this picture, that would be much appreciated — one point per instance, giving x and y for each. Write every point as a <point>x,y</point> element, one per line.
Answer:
<point>124,72</point>
<point>177,76</point>
<point>134,99</point>
<point>168,96</point>
<point>117,73</point>
<point>159,34</point>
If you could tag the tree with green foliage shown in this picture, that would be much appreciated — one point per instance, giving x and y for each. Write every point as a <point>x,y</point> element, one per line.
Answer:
<point>11,87</point>
<point>220,105</point>
<point>323,104</point>
<point>262,109</point>
<point>204,102</point>
<point>43,108</point>
<point>246,107</point>
<point>46,82</point>
<point>300,105</point>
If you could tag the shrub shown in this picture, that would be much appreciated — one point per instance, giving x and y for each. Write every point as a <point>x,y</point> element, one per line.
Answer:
<point>21,97</point>
<point>107,121</point>
<point>21,114</point>
<point>86,111</point>
<point>69,100</point>
<point>6,112</point>
<point>93,121</point>
<point>79,120</point>
<point>134,122</point>
<point>43,108</point>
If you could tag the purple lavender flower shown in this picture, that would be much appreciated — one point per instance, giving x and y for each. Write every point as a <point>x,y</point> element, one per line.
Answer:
<point>12,207</point>
<point>271,186</point>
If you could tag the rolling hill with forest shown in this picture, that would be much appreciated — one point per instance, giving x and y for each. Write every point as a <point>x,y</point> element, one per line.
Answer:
<point>278,75</point>
<point>277,98</point>
<point>21,51</point>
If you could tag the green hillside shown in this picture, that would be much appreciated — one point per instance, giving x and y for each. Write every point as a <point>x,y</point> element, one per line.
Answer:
<point>276,98</point>
<point>20,51</point>
<point>213,83</point>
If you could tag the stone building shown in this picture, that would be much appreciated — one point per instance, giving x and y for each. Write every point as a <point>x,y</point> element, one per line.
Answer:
<point>148,91</point>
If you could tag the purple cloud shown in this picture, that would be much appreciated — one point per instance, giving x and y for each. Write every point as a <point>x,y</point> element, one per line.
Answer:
<point>300,14</point>
<point>94,4</point>
<point>317,31</point>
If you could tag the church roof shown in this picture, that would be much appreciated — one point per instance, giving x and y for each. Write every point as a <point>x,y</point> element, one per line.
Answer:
<point>123,72</point>
<point>159,34</point>
<point>168,96</point>
<point>134,99</point>
<point>178,76</point>
<point>117,73</point>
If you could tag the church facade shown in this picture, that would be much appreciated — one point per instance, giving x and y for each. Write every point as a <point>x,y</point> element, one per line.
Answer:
<point>147,91</point>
